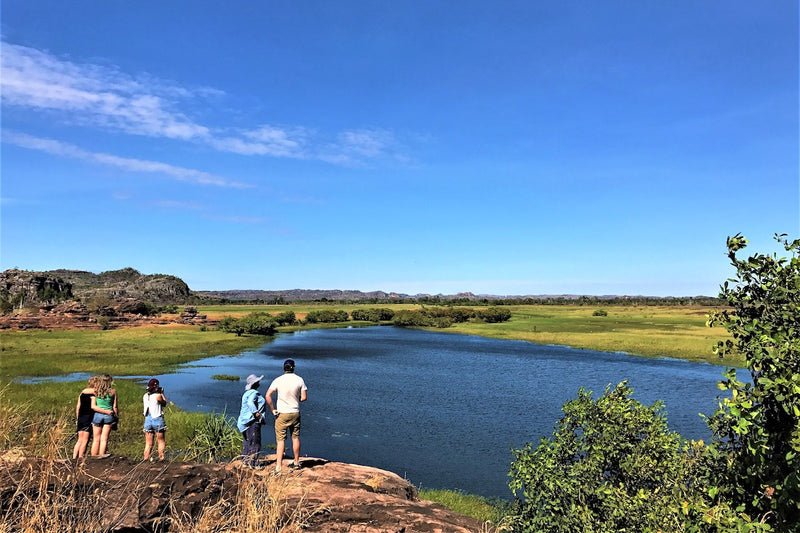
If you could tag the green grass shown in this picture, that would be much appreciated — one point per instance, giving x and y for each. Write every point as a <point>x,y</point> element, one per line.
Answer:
<point>130,351</point>
<point>665,331</point>
<point>141,351</point>
<point>466,504</point>
<point>55,400</point>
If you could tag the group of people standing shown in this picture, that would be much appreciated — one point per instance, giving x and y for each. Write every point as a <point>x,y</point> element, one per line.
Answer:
<point>97,414</point>
<point>289,390</point>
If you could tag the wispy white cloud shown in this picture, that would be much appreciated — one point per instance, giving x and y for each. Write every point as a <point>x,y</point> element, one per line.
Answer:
<point>179,205</point>
<point>352,147</point>
<point>368,143</point>
<point>92,94</point>
<point>265,140</point>
<point>239,219</point>
<point>63,149</point>
<point>103,96</point>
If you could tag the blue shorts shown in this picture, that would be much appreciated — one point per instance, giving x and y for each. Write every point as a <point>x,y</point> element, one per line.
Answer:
<point>154,425</point>
<point>101,419</point>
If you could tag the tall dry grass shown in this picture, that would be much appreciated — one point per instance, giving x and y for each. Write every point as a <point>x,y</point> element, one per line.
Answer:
<point>262,504</point>
<point>36,493</point>
<point>42,490</point>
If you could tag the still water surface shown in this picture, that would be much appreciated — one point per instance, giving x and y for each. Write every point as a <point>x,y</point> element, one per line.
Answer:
<point>440,409</point>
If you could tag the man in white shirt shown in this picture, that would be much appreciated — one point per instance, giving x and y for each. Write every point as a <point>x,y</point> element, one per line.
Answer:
<point>291,391</point>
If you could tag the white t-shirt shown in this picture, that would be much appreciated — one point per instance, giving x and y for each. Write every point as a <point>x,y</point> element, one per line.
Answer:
<point>289,387</point>
<point>151,403</point>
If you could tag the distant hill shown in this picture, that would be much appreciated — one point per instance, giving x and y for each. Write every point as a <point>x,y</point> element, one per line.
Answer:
<point>336,295</point>
<point>19,288</point>
<point>301,295</point>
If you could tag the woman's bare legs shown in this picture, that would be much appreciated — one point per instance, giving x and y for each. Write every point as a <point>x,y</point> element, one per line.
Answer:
<point>148,444</point>
<point>162,444</point>
<point>80,445</point>
<point>96,431</point>
<point>103,439</point>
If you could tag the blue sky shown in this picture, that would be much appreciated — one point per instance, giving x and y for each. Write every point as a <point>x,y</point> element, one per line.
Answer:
<point>511,148</point>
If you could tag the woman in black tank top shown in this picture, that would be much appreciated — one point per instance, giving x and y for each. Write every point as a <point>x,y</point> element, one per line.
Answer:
<point>84,415</point>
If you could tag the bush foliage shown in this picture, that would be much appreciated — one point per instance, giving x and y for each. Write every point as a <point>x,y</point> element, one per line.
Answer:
<point>252,324</point>
<point>613,465</point>
<point>327,316</point>
<point>757,428</point>
<point>373,314</point>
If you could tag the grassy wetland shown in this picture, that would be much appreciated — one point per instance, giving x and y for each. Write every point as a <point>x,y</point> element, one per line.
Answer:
<point>652,331</point>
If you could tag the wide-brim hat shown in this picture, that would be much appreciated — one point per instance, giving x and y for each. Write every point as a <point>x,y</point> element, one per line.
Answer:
<point>251,380</point>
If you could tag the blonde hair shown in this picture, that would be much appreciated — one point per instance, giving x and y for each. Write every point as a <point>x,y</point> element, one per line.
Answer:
<point>93,382</point>
<point>103,386</point>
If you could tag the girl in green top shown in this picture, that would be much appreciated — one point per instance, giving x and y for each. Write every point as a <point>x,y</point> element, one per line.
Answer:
<point>104,405</point>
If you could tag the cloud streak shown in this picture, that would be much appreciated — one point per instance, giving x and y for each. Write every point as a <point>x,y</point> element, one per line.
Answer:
<point>63,149</point>
<point>102,96</point>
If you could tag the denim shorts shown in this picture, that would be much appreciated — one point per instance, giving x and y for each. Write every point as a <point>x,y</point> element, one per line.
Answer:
<point>154,425</point>
<point>101,419</point>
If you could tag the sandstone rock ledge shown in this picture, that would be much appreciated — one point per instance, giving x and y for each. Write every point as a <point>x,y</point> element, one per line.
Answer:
<point>337,497</point>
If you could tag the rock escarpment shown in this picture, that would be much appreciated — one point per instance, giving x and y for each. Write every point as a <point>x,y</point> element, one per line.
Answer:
<point>21,288</point>
<point>332,497</point>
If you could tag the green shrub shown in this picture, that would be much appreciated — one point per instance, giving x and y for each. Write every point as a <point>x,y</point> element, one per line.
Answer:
<point>287,318</point>
<point>757,427</point>
<point>252,324</point>
<point>613,465</point>
<point>326,316</point>
<point>215,437</point>
<point>409,318</point>
<point>439,317</point>
<point>258,324</point>
<point>455,314</point>
<point>494,315</point>
<point>229,324</point>
<point>373,314</point>
<point>600,312</point>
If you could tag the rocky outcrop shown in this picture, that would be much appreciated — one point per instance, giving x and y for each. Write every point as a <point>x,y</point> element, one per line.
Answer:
<point>23,289</point>
<point>360,498</point>
<point>126,283</point>
<point>116,314</point>
<point>19,288</point>
<point>190,315</point>
<point>332,497</point>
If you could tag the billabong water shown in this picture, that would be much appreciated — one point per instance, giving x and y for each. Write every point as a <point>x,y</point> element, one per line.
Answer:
<point>442,410</point>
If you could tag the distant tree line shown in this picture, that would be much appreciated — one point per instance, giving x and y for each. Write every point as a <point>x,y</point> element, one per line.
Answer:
<point>530,300</point>
<point>261,323</point>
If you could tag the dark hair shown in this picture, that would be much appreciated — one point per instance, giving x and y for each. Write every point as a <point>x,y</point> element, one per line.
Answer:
<point>288,365</point>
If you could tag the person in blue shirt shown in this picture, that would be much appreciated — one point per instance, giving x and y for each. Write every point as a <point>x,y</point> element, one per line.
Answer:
<point>251,417</point>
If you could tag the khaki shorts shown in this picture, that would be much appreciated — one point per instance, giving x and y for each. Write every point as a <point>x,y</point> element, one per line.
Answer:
<point>287,421</point>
